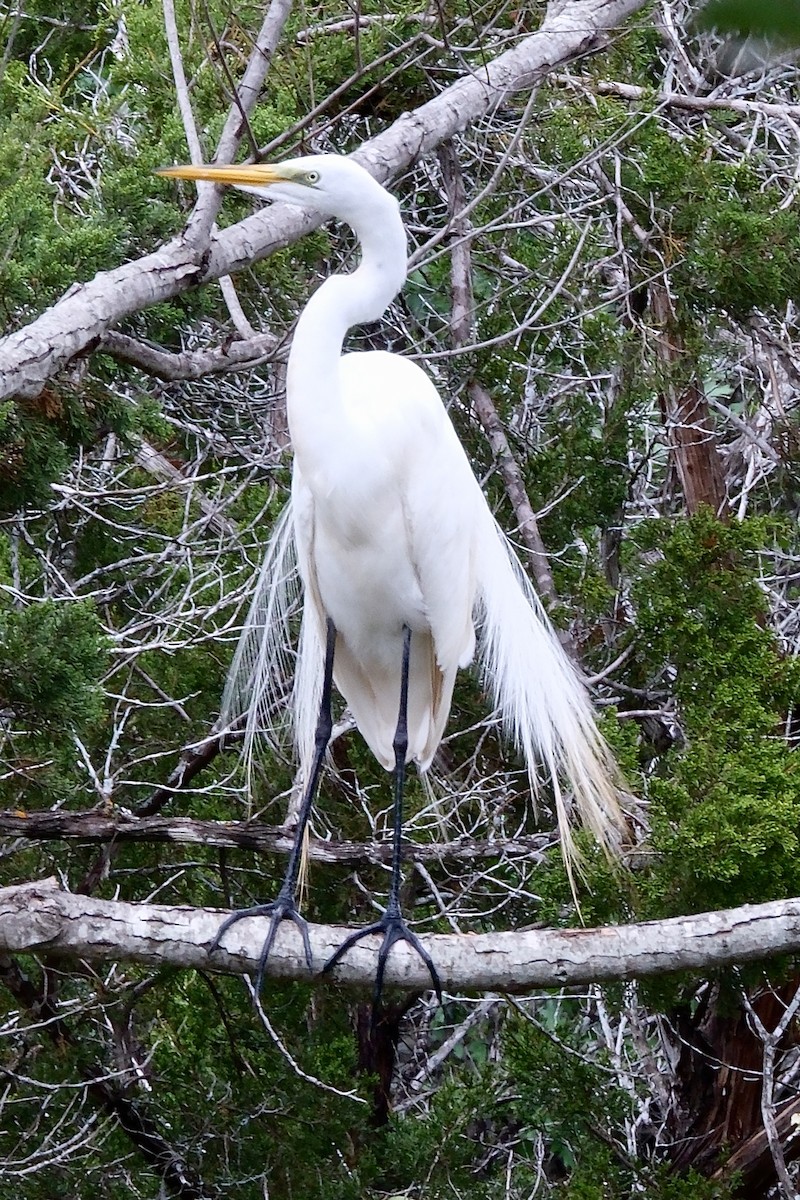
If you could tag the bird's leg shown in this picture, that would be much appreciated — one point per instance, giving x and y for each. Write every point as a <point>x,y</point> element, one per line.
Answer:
<point>392,924</point>
<point>284,907</point>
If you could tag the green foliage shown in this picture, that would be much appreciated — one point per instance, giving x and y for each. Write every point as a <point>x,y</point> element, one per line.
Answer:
<point>705,204</point>
<point>759,268</point>
<point>588,451</point>
<point>725,818</point>
<point>52,656</point>
<point>696,203</point>
<point>76,29</point>
<point>760,18</point>
<point>37,438</point>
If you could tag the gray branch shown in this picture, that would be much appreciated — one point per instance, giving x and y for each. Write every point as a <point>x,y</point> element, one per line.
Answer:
<point>41,918</point>
<point>97,828</point>
<point>191,364</point>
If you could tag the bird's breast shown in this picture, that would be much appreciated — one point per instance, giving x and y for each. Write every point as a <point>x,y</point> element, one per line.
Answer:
<point>365,570</point>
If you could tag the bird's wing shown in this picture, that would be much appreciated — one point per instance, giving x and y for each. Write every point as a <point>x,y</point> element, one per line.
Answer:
<point>427,495</point>
<point>443,502</point>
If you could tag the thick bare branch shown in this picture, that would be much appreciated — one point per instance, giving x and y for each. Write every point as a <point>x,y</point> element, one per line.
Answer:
<point>630,91</point>
<point>39,917</point>
<point>243,102</point>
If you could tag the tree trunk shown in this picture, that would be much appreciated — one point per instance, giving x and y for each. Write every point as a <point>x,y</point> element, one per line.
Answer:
<point>686,414</point>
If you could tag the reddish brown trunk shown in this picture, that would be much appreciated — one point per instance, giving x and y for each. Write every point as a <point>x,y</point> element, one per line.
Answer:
<point>717,1127</point>
<point>686,415</point>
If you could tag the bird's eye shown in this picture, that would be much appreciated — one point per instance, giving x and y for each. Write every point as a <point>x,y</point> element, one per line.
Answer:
<point>312,177</point>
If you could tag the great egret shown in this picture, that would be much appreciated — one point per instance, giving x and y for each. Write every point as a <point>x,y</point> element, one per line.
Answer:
<point>400,559</point>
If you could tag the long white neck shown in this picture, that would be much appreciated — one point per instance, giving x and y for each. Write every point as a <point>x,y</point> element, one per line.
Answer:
<point>313,393</point>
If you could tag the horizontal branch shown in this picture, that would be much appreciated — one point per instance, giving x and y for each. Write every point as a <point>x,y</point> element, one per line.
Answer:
<point>40,917</point>
<point>191,364</point>
<point>97,827</point>
<point>630,91</point>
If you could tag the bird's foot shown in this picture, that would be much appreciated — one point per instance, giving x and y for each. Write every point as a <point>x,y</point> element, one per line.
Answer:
<point>281,909</point>
<point>394,929</point>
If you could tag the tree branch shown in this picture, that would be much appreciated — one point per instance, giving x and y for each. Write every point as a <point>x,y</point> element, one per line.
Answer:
<point>96,827</point>
<point>240,355</point>
<point>515,490</point>
<point>39,917</point>
<point>159,466</point>
<point>630,91</point>
<point>108,1091</point>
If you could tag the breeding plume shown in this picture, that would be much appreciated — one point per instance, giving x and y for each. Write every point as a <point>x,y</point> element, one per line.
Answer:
<point>404,569</point>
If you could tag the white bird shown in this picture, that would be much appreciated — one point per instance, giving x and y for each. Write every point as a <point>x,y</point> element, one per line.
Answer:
<point>400,557</point>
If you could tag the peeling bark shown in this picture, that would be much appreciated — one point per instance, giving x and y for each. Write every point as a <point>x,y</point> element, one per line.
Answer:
<point>39,917</point>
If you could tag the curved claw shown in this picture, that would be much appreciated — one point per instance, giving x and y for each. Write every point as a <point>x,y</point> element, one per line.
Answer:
<point>394,929</point>
<point>281,909</point>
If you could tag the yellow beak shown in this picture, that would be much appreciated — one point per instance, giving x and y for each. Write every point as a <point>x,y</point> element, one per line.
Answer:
<point>254,175</point>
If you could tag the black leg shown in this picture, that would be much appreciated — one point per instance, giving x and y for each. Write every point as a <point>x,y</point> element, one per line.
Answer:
<point>284,906</point>
<point>392,925</point>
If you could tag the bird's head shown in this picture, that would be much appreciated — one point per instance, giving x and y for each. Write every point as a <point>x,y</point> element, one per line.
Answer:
<point>329,184</point>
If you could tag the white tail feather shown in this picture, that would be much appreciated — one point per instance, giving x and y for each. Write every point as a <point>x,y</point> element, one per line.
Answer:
<point>259,682</point>
<point>542,702</point>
